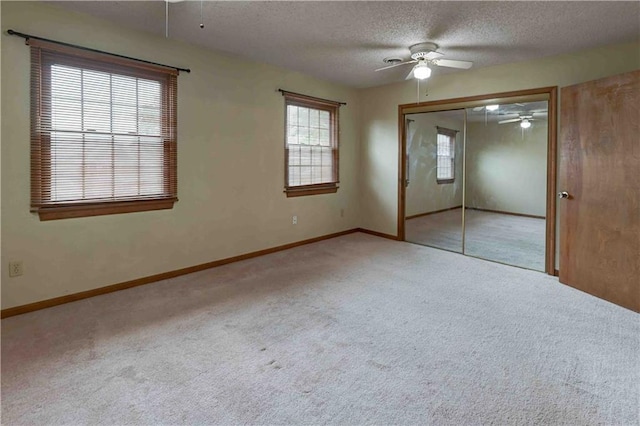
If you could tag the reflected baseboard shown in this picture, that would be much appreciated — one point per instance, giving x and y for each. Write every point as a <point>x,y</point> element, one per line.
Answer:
<point>503,212</point>
<point>433,212</point>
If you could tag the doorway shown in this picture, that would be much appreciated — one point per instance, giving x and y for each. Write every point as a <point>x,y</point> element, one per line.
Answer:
<point>600,190</point>
<point>477,177</point>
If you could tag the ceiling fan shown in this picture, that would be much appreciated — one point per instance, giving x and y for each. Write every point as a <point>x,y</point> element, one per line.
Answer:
<point>423,55</point>
<point>493,107</point>
<point>525,120</point>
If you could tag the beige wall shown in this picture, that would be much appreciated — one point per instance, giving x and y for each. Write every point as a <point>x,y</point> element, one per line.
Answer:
<point>230,157</point>
<point>379,150</point>
<point>230,166</point>
<point>507,167</point>
<point>424,194</point>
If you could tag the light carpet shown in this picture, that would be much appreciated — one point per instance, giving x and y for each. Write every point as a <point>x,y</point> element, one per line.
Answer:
<point>509,239</point>
<point>352,330</point>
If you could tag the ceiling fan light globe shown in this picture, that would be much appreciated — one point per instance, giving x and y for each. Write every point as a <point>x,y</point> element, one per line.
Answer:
<point>525,124</point>
<point>422,71</point>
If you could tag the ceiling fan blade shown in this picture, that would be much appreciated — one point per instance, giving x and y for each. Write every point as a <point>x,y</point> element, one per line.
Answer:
<point>452,63</point>
<point>539,112</point>
<point>513,120</point>
<point>396,65</point>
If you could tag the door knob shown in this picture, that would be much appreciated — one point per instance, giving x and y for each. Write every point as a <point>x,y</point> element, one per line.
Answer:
<point>563,194</point>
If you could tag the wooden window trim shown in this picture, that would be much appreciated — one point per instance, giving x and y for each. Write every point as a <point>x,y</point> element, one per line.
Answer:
<point>41,139</point>
<point>97,56</point>
<point>443,181</point>
<point>333,109</point>
<point>106,208</point>
<point>302,190</point>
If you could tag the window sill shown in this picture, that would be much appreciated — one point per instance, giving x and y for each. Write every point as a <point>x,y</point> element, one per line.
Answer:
<point>301,191</point>
<point>104,208</point>
<point>441,181</point>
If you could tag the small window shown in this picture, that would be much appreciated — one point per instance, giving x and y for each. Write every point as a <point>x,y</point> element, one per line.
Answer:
<point>446,155</point>
<point>103,134</point>
<point>311,146</point>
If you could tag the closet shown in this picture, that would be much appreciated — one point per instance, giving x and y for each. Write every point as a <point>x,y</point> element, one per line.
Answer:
<point>477,175</point>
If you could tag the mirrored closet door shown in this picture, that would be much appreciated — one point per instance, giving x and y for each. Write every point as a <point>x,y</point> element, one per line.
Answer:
<point>434,179</point>
<point>477,181</point>
<point>506,184</point>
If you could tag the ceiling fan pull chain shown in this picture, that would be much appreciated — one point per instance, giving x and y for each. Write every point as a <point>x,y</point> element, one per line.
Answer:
<point>201,20</point>
<point>166,18</point>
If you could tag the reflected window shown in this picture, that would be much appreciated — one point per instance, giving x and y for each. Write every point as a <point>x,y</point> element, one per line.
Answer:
<point>445,148</point>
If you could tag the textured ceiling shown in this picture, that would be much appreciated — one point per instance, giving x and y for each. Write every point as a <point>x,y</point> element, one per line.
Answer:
<point>344,41</point>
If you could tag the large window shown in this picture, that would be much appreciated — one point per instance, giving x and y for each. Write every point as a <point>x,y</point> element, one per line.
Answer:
<point>446,145</point>
<point>311,146</point>
<point>103,134</point>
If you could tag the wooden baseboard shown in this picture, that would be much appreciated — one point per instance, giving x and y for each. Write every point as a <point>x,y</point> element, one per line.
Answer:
<point>378,234</point>
<point>556,273</point>
<point>433,212</point>
<point>509,213</point>
<point>43,304</point>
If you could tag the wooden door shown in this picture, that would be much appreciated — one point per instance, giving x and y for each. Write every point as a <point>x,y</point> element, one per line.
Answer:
<point>600,170</point>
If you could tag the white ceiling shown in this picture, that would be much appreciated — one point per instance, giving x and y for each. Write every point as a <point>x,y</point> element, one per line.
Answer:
<point>344,41</point>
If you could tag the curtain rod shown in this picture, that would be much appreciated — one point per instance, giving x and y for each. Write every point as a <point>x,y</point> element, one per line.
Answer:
<point>310,97</point>
<point>28,36</point>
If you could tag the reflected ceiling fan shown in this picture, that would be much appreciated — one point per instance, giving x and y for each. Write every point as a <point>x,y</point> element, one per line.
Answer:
<point>423,55</point>
<point>493,107</point>
<point>524,119</point>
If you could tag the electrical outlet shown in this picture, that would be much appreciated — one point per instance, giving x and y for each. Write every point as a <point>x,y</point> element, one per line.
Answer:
<point>15,268</point>
<point>294,220</point>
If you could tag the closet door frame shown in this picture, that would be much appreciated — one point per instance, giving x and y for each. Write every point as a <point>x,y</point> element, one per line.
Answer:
<point>530,95</point>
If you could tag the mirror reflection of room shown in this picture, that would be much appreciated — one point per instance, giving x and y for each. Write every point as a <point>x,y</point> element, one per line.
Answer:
<point>433,209</point>
<point>506,183</point>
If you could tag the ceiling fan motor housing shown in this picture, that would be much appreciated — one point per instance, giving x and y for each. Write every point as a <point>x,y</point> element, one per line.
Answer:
<point>421,50</point>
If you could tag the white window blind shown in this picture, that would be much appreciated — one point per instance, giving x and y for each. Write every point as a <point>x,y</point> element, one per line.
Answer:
<point>102,132</point>
<point>311,145</point>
